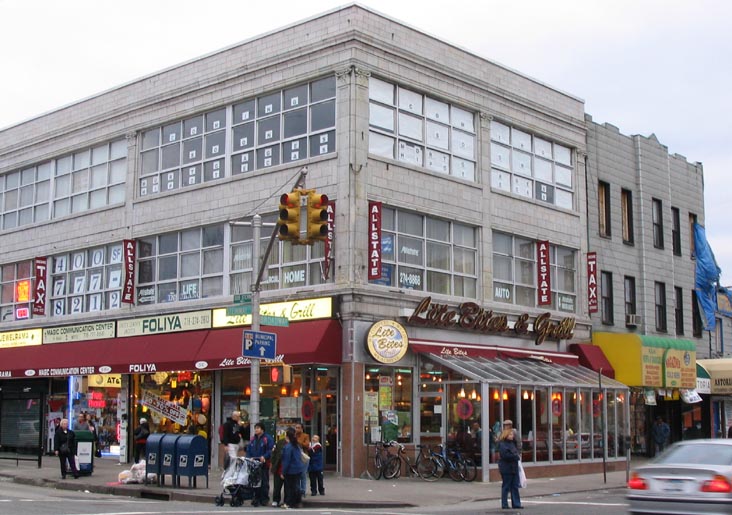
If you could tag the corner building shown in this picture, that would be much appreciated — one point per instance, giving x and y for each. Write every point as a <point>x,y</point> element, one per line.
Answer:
<point>444,301</point>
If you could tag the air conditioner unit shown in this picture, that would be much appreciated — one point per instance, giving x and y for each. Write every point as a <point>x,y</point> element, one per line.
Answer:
<point>633,320</point>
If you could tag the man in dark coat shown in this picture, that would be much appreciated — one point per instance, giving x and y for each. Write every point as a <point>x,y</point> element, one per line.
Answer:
<point>64,444</point>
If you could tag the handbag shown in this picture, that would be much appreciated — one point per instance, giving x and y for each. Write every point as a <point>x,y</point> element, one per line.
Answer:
<point>305,457</point>
<point>64,449</point>
<point>521,475</point>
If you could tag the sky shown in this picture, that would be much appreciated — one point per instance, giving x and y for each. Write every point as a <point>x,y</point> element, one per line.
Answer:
<point>648,67</point>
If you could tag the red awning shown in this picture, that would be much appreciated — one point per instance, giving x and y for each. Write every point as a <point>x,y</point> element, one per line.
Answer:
<point>317,341</point>
<point>452,349</point>
<point>592,357</point>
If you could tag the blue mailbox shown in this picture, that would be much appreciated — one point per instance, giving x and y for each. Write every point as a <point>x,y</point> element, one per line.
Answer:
<point>168,458</point>
<point>192,452</point>
<point>152,455</point>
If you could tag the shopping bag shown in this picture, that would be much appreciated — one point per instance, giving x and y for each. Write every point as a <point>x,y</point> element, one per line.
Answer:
<point>522,475</point>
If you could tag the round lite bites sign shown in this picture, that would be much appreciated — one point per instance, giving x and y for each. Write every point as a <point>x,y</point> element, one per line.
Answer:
<point>387,341</point>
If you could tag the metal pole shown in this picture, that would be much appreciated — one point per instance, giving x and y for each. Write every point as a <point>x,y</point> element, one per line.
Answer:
<point>254,398</point>
<point>603,428</point>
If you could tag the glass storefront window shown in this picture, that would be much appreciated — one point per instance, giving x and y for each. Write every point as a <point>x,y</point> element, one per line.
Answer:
<point>388,404</point>
<point>185,395</point>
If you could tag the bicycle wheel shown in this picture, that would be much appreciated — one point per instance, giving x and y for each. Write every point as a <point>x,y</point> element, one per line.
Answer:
<point>427,468</point>
<point>471,470</point>
<point>378,465</point>
<point>456,470</point>
<point>393,468</point>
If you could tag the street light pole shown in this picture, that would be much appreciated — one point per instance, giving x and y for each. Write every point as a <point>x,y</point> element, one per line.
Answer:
<point>254,398</point>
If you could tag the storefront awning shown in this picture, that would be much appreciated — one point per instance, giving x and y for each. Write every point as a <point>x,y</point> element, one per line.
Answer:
<point>720,373</point>
<point>525,372</point>
<point>317,341</point>
<point>490,351</point>
<point>592,357</point>
<point>649,361</point>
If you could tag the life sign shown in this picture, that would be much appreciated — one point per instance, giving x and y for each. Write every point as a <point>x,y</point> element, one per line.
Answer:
<point>257,344</point>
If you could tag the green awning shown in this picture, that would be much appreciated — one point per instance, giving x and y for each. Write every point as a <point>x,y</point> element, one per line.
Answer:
<point>663,342</point>
<point>701,372</point>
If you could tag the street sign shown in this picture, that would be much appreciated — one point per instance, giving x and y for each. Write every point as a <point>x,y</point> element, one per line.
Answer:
<point>277,321</point>
<point>243,309</point>
<point>257,344</point>
<point>243,298</point>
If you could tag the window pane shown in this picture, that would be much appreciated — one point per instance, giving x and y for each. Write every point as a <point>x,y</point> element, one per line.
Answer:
<point>462,119</point>
<point>150,139</point>
<point>500,156</point>
<point>193,127</point>
<point>118,171</point>
<point>382,117</point>
<point>410,223</point>
<point>296,122</point>
<point>520,139</point>
<point>168,267</point>
<point>244,112</point>
<point>100,154</point>
<point>437,135</point>
<point>243,136</point>
<point>190,239</point>
<point>322,116</point>
<point>322,89</point>
<point>562,155</point>
<point>543,170</point>
<point>438,283</point>
<point>437,161</point>
<point>438,229</point>
<point>117,194</point>
<point>436,110</point>
<point>502,268</point>
<point>149,161</point>
<point>99,176</point>
<point>268,130</point>
<point>381,145</point>
<point>119,149</point>
<point>212,287</point>
<point>410,101</point>
<point>381,91</point>
<point>411,278</point>
<point>216,120</point>
<point>296,97</point>
<point>168,243</point>
<point>438,256</point>
<point>97,198</point>
<point>190,265</point>
<point>410,126</point>
<point>215,144</point>
<point>411,250</point>
<point>465,261</point>
<point>268,104</point>
<point>464,235</point>
<point>213,261</point>
<point>500,132</point>
<point>213,235</point>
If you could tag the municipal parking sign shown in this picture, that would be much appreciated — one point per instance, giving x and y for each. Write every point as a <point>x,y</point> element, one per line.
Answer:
<point>258,344</point>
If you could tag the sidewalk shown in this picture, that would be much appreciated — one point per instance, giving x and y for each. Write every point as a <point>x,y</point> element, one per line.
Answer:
<point>340,492</point>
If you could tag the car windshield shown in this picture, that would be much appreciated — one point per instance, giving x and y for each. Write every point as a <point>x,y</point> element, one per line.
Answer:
<point>708,454</point>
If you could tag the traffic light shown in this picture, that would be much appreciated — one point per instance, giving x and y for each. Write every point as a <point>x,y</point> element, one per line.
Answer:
<point>317,216</point>
<point>280,374</point>
<point>289,220</point>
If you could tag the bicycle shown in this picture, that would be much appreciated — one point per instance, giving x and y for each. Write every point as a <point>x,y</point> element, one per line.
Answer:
<point>468,465</point>
<point>448,462</point>
<point>424,466</point>
<point>380,458</point>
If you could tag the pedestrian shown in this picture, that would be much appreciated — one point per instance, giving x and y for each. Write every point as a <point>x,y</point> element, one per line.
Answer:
<point>315,468</point>
<point>292,469</point>
<point>91,426</point>
<point>508,424</point>
<point>64,444</point>
<point>232,435</point>
<point>80,423</point>
<point>304,440</point>
<point>729,432</point>
<point>508,466</point>
<point>260,448</point>
<point>276,466</point>
<point>142,431</point>
<point>661,432</point>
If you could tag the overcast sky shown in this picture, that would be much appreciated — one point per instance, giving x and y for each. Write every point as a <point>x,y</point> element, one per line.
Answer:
<point>648,66</point>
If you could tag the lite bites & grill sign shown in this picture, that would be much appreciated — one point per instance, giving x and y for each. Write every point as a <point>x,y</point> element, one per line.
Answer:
<point>472,317</point>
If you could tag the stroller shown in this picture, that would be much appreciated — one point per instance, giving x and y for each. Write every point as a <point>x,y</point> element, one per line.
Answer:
<point>239,481</point>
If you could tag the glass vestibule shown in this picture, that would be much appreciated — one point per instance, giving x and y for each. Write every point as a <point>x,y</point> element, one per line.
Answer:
<point>555,422</point>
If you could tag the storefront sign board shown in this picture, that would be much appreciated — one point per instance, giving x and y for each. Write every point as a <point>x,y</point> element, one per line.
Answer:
<point>387,341</point>
<point>374,265</point>
<point>105,380</point>
<point>171,323</point>
<point>39,295</point>
<point>680,368</point>
<point>76,333</point>
<point>294,311</point>
<point>652,366</point>
<point>592,301</point>
<point>20,338</point>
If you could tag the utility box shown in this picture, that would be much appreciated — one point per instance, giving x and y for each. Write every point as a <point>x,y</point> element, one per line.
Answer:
<point>152,455</point>
<point>168,458</point>
<point>192,456</point>
<point>85,451</point>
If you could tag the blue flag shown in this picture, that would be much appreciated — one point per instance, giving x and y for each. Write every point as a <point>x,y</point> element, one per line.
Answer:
<point>707,278</point>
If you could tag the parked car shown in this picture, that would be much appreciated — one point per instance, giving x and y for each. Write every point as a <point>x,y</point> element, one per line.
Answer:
<point>690,477</point>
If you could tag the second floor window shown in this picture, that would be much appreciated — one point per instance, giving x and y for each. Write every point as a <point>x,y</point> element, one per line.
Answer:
<point>696,320</point>
<point>182,265</point>
<point>660,294</point>
<point>603,203</point>
<point>606,296</point>
<point>288,266</point>
<point>515,273</point>
<point>626,207</point>
<point>679,310</point>
<point>657,207</point>
<point>15,289</point>
<point>692,237</point>
<point>676,230</point>
<point>428,254</point>
<point>630,306</point>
